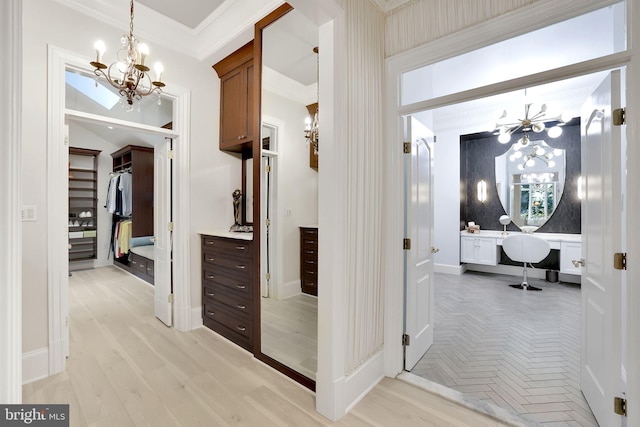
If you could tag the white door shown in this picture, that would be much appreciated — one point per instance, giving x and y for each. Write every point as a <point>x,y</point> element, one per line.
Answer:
<point>601,234</point>
<point>419,310</point>
<point>162,219</point>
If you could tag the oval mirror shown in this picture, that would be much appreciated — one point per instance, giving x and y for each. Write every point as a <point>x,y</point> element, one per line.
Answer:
<point>530,181</point>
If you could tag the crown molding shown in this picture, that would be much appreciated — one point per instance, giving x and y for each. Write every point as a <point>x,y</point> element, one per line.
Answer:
<point>228,22</point>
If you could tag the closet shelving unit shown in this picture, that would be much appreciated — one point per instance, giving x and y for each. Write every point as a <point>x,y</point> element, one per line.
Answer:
<point>83,201</point>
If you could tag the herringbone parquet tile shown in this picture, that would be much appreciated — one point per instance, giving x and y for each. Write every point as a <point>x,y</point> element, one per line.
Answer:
<point>518,350</point>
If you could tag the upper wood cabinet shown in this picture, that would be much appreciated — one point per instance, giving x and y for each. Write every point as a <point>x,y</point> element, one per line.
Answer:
<point>237,99</point>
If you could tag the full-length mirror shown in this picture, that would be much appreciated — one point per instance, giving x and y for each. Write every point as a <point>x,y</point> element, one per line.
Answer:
<point>530,182</point>
<point>288,196</point>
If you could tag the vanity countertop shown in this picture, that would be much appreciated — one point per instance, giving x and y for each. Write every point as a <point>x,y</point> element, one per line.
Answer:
<point>308,226</point>
<point>550,237</point>
<point>228,234</point>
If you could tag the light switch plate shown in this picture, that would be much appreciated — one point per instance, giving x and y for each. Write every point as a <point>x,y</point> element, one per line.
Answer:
<point>29,213</point>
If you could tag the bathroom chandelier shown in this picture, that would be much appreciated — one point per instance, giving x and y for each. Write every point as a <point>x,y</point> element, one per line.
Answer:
<point>311,128</point>
<point>129,74</point>
<point>527,155</point>
<point>530,122</point>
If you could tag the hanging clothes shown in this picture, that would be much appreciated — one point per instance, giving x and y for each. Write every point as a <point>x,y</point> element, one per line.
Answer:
<point>119,194</point>
<point>121,237</point>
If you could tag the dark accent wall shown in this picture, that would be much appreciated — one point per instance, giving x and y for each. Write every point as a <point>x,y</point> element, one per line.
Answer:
<point>477,154</point>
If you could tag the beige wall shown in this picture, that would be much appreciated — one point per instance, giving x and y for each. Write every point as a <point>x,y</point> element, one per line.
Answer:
<point>422,21</point>
<point>214,174</point>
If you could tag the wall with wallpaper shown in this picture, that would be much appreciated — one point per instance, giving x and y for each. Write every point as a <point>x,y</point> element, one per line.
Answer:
<point>477,154</point>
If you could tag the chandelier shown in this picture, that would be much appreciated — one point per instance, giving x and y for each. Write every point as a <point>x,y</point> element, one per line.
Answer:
<point>530,123</point>
<point>129,74</point>
<point>311,128</point>
<point>527,155</point>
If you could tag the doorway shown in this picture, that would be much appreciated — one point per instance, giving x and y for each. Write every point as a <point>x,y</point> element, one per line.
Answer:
<point>57,172</point>
<point>466,111</point>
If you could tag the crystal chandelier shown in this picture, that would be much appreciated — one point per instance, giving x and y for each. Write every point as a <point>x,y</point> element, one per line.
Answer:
<point>311,128</point>
<point>129,73</point>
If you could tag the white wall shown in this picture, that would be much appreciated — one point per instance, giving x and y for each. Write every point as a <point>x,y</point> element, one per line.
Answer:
<point>214,174</point>
<point>297,191</point>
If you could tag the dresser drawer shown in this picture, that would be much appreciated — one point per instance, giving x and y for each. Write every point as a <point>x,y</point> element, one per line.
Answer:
<point>232,248</point>
<point>233,322</point>
<point>233,266</point>
<point>239,285</point>
<point>235,302</point>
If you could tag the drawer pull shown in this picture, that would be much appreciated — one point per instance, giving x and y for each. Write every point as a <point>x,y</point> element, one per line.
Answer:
<point>211,259</point>
<point>210,242</point>
<point>309,241</point>
<point>242,136</point>
<point>210,294</point>
<point>309,252</point>
<point>310,261</point>
<point>241,328</point>
<point>210,276</point>
<point>241,286</point>
<point>133,262</point>
<point>241,267</point>
<point>210,313</point>
<point>241,248</point>
<point>241,306</point>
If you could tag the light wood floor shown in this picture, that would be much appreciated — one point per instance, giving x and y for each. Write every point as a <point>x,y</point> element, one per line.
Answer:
<point>519,350</point>
<point>290,332</point>
<point>127,369</point>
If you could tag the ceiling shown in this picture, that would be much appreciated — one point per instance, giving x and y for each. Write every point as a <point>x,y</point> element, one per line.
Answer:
<point>190,13</point>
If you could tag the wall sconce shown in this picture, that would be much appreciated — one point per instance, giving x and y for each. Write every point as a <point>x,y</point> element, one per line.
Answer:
<point>482,190</point>
<point>580,188</point>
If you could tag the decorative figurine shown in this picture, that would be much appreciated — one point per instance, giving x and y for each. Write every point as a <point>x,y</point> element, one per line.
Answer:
<point>237,226</point>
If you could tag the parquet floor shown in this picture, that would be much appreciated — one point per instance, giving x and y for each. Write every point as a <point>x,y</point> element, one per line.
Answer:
<point>519,350</point>
<point>127,369</point>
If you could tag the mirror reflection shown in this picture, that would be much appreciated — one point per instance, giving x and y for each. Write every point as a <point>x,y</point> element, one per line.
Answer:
<point>530,182</point>
<point>289,196</point>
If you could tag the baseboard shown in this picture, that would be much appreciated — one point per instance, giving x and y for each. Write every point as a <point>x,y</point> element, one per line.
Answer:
<point>363,380</point>
<point>288,290</point>
<point>196,318</point>
<point>455,270</point>
<point>35,365</point>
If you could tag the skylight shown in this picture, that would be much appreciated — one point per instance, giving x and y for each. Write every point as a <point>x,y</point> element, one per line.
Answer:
<point>97,92</point>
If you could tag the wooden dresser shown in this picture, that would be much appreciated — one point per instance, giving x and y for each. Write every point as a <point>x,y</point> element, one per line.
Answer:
<point>226,288</point>
<point>309,260</point>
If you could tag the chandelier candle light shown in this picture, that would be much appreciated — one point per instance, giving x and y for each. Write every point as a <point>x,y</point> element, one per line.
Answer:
<point>129,74</point>
<point>311,128</point>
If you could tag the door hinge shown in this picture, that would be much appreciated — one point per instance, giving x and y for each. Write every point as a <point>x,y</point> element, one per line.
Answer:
<point>267,222</point>
<point>620,116</point>
<point>405,339</point>
<point>267,168</point>
<point>171,299</point>
<point>620,261</point>
<point>170,155</point>
<point>620,406</point>
<point>268,276</point>
<point>406,149</point>
<point>406,244</point>
<point>170,226</point>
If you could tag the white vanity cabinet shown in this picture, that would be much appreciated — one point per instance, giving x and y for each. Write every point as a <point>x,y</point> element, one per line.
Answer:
<point>570,251</point>
<point>478,250</point>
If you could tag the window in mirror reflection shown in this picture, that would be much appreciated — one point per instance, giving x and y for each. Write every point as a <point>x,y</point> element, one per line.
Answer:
<point>535,178</point>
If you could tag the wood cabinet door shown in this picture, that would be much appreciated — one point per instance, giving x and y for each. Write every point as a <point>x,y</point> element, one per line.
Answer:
<point>233,110</point>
